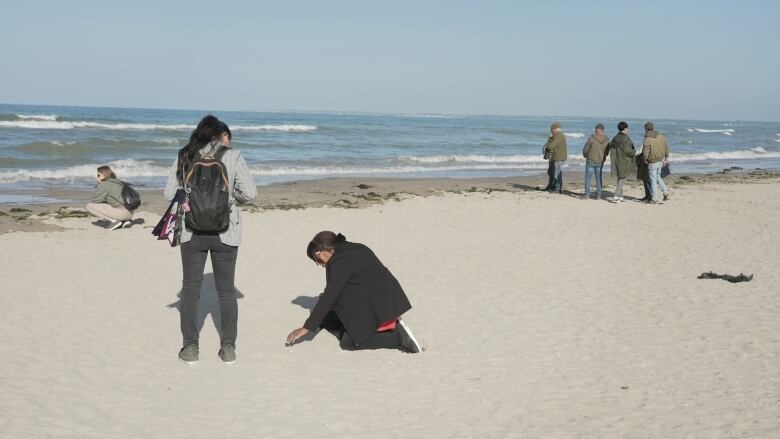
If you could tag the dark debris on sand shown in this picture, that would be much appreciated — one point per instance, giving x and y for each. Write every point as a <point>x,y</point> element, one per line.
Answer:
<point>733,279</point>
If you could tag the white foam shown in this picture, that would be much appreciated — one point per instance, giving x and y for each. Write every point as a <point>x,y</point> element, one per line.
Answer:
<point>123,168</point>
<point>472,158</point>
<point>37,116</point>
<point>427,115</point>
<point>728,131</point>
<point>475,158</point>
<point>67,125</point>
<point>574,135</point>
<point>167,141</point>
<point>746,154</point>
<point>285,128</point>
<point>337,170</point>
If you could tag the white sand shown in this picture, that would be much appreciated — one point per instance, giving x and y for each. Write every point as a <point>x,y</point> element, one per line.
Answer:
<point>542,315</point>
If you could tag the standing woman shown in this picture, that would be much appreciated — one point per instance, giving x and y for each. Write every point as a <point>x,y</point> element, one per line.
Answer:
<point>361,298</point>
<point>209,142</point>
<point>107,200</point>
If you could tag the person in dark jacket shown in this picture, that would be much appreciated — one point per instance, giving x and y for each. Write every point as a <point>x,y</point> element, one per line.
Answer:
<point>643,174</point>
<point>362,298</point>
<point>621,155</point>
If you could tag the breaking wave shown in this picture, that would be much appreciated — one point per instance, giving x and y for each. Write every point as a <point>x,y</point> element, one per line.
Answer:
<point>52,124</point>
<point>725,132</point>
<point>124,169</point>
<point>745,154</point>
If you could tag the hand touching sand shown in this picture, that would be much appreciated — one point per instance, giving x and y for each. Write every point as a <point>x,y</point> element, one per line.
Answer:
<point>295,335</point>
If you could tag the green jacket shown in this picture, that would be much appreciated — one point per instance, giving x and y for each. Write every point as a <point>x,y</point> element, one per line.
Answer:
<point>596,148</point>
<point>555,148</point>
<point>621,156</point>
<point>654,148</point>
<point>109,191</point>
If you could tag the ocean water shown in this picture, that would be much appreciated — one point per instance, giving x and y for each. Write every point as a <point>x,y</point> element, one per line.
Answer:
<point>45,147</point>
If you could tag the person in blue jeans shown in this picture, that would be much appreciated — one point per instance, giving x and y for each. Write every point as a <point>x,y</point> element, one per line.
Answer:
<point>557,152</point>
<point>595,151</point>
<point>655,152</point>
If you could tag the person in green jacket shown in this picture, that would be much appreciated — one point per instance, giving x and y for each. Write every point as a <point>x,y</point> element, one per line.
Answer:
<point>595,151</point>
<point>655,152</point>
<point>107,200</point>
<point>621,156</point>
<point>556,151</point>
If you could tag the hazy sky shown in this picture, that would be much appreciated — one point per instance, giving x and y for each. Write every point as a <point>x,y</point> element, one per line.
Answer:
<point>662,59</point>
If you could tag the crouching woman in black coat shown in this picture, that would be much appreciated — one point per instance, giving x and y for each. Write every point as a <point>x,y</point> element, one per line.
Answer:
<point>362,298</point>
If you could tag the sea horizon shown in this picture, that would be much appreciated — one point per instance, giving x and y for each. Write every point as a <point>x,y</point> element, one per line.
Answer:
<point>53,146</point>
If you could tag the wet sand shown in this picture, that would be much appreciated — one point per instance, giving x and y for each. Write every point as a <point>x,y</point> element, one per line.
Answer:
<point>348,193</point>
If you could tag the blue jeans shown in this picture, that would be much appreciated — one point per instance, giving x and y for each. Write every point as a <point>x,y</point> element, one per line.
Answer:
<point>558,175</point>
<point>590,169</point>
<point>648,189</point>
<point>656,182</point>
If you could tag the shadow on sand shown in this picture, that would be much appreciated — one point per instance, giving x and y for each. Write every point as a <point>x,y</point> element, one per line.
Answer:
<point>105,223</point>
<point>208,304</point>
<point>330,323</point>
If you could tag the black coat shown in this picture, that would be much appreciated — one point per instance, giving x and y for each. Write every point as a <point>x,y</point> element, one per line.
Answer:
<point>361,291</point>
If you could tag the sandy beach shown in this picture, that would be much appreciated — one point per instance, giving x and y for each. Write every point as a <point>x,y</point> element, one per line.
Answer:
<point>541,315</point>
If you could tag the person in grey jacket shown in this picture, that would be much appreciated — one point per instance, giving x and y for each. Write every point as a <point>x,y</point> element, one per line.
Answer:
<point>208,137</point>
<point>106,202</point>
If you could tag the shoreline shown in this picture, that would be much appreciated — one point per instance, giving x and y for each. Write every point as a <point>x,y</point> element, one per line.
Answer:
<point>346,193</point>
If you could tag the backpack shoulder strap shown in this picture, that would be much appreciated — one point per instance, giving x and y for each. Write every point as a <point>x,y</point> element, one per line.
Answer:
<point>221,152</point>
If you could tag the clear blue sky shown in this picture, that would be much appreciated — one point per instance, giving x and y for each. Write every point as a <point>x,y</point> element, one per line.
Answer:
<point>662,59</point>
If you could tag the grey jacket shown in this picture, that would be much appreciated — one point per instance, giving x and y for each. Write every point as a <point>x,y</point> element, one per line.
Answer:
<point>242,191</point>
<point>108,191</point>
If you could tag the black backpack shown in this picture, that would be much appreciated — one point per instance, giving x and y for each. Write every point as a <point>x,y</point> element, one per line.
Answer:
<point>207,191</point>
<point>131,199</point>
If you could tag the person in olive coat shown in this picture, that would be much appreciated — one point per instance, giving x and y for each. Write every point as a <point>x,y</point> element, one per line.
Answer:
<point>557,152</point>
<point>594,153</point>
<point>655,152</point>
<point>621,155</point>
<point>362,298</point>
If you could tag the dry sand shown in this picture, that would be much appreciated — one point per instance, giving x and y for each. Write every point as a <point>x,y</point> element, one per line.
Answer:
<point>542,316</point>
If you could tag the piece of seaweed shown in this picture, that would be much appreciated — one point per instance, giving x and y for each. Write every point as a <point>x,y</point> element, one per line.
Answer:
<point>733,279</point>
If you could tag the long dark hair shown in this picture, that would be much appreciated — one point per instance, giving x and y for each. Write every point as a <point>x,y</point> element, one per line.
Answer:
<point>208,129</point>
<point>323,241</point>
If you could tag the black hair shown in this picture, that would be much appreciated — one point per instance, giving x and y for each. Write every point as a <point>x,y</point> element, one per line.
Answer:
<point>223,128</point>
<point>622,126</point>
<point>323,241</point>
<point>208,129</point>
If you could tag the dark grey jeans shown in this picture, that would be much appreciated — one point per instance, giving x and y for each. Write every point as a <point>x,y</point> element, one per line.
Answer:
<point>223,262</point>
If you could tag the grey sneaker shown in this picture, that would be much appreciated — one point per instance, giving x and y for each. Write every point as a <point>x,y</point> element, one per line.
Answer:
<point>408,342</point>
<point>114,225</point>
<point>189,354</point>
<point>228,353</point>
<point>667,196</point>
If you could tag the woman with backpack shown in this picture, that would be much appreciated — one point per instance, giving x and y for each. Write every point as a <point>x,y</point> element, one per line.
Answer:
<point>107,201</point>
<point>214,178</point>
